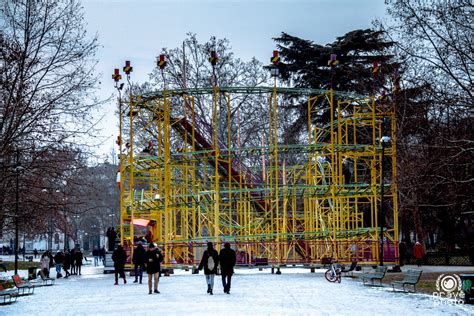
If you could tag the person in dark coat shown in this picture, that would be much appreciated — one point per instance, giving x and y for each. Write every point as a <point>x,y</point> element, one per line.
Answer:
<point>67,263</point>
<point>153,259</point>
<point>227,259</point>
<point>59,261</point>
<point>102,254</point>
<point>210,266</point>
<point>119,257</point>
<point>72,257</point>
<point>78,256</point>
<point>95,254</point>
<point>111,236</point>
<point>139,262</point>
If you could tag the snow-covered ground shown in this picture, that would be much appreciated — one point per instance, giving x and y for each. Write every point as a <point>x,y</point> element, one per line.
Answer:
<point>295,292</point>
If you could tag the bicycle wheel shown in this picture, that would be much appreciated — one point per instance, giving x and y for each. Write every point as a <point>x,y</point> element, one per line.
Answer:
<point>330,276</point>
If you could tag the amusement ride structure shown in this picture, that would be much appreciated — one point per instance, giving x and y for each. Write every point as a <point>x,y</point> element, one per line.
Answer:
<point>333,195</point>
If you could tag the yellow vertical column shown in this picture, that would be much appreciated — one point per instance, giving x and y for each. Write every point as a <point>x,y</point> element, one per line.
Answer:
<point>312,161</point>
<point>394,186</point>
<point>333,170</point>
<point>229,168</point>
<point>132,170</point>
<point>374,181</point>
<point>277,227</point>
<point>339,216</point>
<point>216,162</point>
<point>240,204</point>
<point>269,229</point>
<point>167,177</point>
<point>121,171</point>
<point>160,171</point>
<point>196,206</point>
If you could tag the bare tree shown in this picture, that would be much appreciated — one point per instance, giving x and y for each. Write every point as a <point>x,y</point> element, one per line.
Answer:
<point>47,73</point>
<point>189,67</point>
<point>435,46</point>
<point>46,81</point>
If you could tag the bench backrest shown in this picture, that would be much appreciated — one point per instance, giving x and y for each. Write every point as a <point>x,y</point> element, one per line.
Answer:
<point>381,269</point>
<point>16,278</point>
<point>379,272</point>
<point>413,275</point>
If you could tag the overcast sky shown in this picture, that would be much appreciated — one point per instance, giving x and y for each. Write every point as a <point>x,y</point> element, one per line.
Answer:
<point>137,30</point>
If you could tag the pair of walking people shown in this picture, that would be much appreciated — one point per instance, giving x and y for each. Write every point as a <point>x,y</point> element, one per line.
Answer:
<point>211,259</point>
<point>149,260</point>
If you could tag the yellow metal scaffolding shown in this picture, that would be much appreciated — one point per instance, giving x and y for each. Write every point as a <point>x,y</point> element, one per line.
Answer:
<point>320,198</point>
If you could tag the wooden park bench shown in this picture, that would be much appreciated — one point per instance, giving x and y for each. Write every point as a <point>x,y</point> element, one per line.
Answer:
<point>412,277</point>
<point>24,287</point>
<point>7,296</point>
<point>379,274</point>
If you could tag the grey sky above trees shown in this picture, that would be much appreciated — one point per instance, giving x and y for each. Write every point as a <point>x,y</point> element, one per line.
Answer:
<point>139,30</point>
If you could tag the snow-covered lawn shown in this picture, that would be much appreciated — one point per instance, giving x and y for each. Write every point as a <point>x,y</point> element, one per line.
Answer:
<point>294,292</point>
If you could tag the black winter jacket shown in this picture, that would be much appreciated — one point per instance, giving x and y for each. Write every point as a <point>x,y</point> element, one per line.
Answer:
<point>119,257</point>
<point>205,258</point>
<point>139,256</point>
<point>227,260</point>
<point>153,259</point>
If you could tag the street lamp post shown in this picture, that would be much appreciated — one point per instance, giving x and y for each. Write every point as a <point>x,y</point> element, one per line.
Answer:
<point>112,218</point>
<point>383,141</point>
<point>50,225</point>
<point>93,235</point>
<point>17,201</point>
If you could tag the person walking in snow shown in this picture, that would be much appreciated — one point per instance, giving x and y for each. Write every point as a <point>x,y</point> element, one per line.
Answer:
<point>119,257</point>
<point>72,260</point>
<point>78,256</point>
<point>209,261</point>
<point>139,262</point>
<point>153,259</point>
<point>227,259</point>
<point>67,263</point>
<point>58,261</point>
<point>44,263</point>
<point>95,254</point>
<point>418,253</point>
<point>102,254</point>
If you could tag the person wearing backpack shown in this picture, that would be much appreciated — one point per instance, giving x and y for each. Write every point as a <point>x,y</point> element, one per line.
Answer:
<point>209,261</point>
<point>227,259</point>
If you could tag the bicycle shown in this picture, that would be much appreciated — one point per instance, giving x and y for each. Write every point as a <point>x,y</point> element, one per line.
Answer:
<point>333,274</point>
